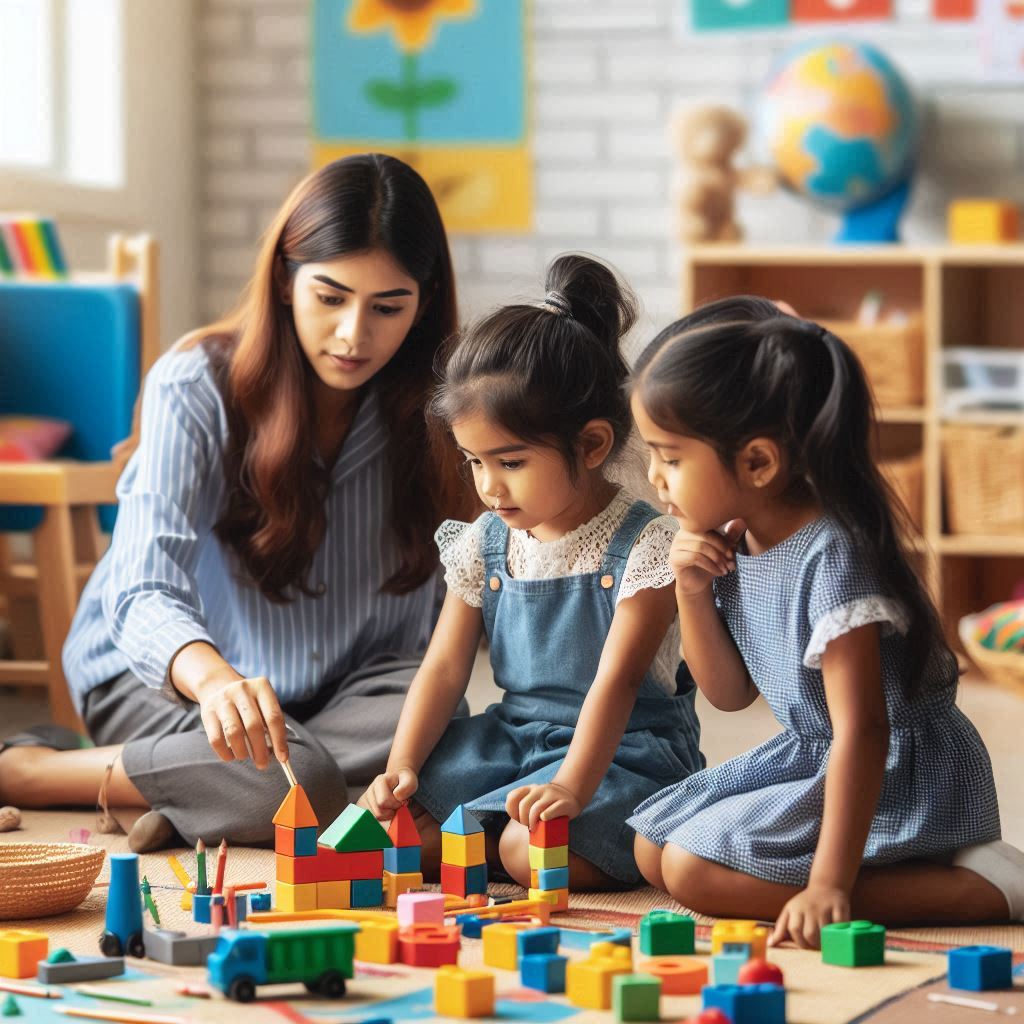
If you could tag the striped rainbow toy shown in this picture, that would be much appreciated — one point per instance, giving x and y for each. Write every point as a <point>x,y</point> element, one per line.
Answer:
<point>30,247</point>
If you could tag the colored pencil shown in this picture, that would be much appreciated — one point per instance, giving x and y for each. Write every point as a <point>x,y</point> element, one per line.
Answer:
<point>53,247</point>
<point>289,774</point>
<point>121,1017</point>
<point>202,889</point>
<point>222,861</point>
<point>179,872</point>
<point>114,997</point>
<point>29,990</point>
<point>147,896</point>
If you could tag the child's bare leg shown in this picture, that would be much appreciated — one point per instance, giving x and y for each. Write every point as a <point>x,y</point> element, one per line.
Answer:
<point>41,777</point>
<point>648,860</point>
<point>514,852</point>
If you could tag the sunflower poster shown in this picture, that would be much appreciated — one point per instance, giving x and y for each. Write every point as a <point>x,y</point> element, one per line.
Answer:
<point>441,84</point>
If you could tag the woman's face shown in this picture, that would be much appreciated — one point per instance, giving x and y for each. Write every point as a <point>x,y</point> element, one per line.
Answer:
<point>352,315</point>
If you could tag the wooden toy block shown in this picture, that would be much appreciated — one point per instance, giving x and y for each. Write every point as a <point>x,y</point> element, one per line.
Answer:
<point>420,908</point>
<point>472,926</point>
<point>296,811</point>
<point>544,972</point>
<point>549,857</point>
<point>402,860</point>
<point>462,993</point>
<point>501,945</point>
<point>201,903</point>
<point>355,830</point>
<point>79,968</point>
<point>293,898</point>
<point>750,932</point>
<point>403,831</point>
<point>367,892</point>
<point>459,881</point>
<point>377,941</point>
<point>679,975</point>
<point>982,220</point>
<point>428,945</point>
<point>636,997</point>
<point>462,850</point>
<point>334,895</point>
<point>20,952</point>
<point>759,972</point>
<point>177,948</point>
<point>328,866</point>
<point>461,823</point>
<point>665,933</point>
<point>558,898</point>
<point>396,884</point>
<point>588,983</point>
<point>297,870</point>
<point>850,944</point>
<point>980,968</point>
<point>537,940</point>
<point>747,1004</point>
<point>550,833</point>
<point>550,878</point>
<point>295,842</point>
<point>727,966</point>
<point>259,901</point>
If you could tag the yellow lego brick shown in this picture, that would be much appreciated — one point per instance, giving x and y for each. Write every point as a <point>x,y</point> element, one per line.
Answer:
<point>982,220</point>
<point>558,898</point>
<point>462,993</point>
<point>534,878</point>
<point>501,947</point>
<point>333,895</point>
<point>396,884</point>
<point>20,952</point>
<point>588,983</point>
<point>294,898</point>
<point>749,932</point>
<point>377,941</point>
<point>463,851</point>
<point>612,952</point>
<point>548,857</point>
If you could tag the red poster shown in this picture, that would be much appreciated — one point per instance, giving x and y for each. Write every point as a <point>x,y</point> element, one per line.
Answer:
<point>840,10</point>
<point>954,10</point>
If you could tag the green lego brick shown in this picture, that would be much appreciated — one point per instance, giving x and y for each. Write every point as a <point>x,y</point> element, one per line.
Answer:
<point>665,933</point>
<point>636,997</point>
<point>853,944</point>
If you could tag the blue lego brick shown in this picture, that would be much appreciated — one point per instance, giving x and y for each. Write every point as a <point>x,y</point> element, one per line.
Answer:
<point>476,878</point>
<point>472,926</point>
<point>401,860</point>
<point>544,972</point>
<point>747,1004</point>
<point>979,968</point>
<point>367,892</point>
<point>727,966</point>
<point>201,909</point>
<point>553,878</point>
<point>538,940</point>
<point>259,901</point>
<point>305,842</point>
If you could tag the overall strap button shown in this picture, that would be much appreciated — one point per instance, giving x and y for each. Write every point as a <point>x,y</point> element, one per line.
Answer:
<point>495,583</point>
<point>607,582</point>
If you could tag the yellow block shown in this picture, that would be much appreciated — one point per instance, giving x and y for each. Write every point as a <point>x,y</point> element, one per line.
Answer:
<point>982,220</point>
<point>464,851</point>
<point>462,993</point>
<point>334,895</point>
<point>558,898</point>
<point>377,941</point>
<point>548,857</point>
<point>20,952</point>
<point>294,898</point>
<point>750,932</point>
<point>588,983</point>
<point>501,946</point>
<point>396,884</point>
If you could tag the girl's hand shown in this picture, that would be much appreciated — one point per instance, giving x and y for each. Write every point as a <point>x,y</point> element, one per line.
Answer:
<point>530,804</point>
<point>239,715</point>
<point>388,792</point>
<point>804,916</point>
<point>697,558</point>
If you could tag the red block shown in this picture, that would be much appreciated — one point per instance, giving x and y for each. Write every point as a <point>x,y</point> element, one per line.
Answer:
<point>830,10</point>
<point>428,945</point>
<point>953,10</point>
<point>550,833</point>
<point>328,866</point>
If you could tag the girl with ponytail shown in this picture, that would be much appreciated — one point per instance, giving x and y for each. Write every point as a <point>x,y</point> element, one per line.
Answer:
<point>570,580</point>
<point>877,799</point>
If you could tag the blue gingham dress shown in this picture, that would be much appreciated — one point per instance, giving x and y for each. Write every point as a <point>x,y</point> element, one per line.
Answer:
<point>760,813</point>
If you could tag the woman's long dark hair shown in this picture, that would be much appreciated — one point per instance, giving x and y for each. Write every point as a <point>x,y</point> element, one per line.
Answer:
<point>740,368</point>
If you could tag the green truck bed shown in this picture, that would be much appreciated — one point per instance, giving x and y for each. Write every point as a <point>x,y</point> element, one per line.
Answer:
<point>306,954</point>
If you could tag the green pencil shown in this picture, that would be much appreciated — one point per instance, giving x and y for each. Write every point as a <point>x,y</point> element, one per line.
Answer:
<point>202,889</point>
<point>147,895</point>
<point>114,997</point>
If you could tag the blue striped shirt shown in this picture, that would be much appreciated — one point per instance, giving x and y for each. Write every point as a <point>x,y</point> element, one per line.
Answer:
<point>167,580</point>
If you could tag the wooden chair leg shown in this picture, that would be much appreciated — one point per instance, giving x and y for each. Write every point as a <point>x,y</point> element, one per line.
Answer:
<point>88,542</point>
<point>58,593</point>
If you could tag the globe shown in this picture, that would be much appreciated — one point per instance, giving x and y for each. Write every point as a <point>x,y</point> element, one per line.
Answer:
<point>838,122</point>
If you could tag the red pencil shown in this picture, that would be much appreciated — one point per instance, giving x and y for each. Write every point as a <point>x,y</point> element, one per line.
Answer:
<point>222,861</point>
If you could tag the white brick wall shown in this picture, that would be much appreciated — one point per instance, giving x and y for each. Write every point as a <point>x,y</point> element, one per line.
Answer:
<point>608,76</point>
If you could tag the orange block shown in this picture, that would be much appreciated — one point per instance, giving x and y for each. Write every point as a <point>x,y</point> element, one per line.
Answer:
<point>679,975</point>
<point>403,831</point>
<point>296,811</point>
<point>20,952</point>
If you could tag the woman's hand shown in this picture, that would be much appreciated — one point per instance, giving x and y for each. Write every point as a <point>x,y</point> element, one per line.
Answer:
<point>239,715</point>
<point>388,792</point>
<point>804,916</point>
<point>697,558</point>
<point>530,804</point>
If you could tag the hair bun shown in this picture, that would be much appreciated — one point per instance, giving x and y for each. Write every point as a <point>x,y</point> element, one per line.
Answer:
<point>588,291</point>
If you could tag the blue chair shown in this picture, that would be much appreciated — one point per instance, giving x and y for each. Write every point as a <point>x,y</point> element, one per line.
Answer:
<point>72,350</point>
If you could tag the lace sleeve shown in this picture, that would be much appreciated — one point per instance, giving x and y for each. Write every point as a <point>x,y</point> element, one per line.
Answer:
<point>847,617</point>
<point>647,567</point>
<point>459,546</point>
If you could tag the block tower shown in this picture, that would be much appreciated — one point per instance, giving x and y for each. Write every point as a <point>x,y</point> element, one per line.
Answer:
<point>356,842</point>
<point>463,859</point>
<point>402,861</point>
<point>549,862</point>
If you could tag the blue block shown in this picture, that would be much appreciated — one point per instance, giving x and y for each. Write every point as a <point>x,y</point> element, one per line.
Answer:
<point>259,901</point>
<point>241,906</point>
<point>472,925</point>
<point>305,842</point>
<point>727,966</point>
<point>476,878</point>
<point>201,909</point>
<point>367,892</point>
<point>401,860</point>
<point>747,1004</point>
<point>538,940</point>
<point>461,823</point>
<point>979,968</point>
<point>544,972</point>
<point>553,878</point>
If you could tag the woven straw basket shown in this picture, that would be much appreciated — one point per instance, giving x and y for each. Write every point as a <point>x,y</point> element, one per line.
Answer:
<point>1005,668</point>
<point>42,879</point>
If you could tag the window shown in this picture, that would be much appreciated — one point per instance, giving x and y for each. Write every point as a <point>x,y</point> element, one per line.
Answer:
<point>61,90</point>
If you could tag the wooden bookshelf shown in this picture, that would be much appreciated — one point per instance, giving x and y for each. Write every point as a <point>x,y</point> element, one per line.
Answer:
<point>966,295</point>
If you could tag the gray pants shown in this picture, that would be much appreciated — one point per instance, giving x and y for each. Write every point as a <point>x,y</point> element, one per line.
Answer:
<point>344,734</point>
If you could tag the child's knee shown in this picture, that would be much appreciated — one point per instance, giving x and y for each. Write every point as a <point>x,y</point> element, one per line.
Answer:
<point>648,860</point>
<point>514,852</point>
<point>687,877</point>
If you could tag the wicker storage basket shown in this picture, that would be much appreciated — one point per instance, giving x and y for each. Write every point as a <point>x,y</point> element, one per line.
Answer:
<point>892,356</point>
<point>983,478</point>
<point>42,879</point>
<point>907,478</point>
<point>1005,668</point>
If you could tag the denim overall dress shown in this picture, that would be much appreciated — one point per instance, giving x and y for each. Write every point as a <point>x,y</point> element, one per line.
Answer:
<point>546,638</point>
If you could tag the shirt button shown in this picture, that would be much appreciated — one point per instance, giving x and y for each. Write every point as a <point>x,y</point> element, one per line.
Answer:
<point>607,582</point>
<point>321,588</point>
<point>495,583</point>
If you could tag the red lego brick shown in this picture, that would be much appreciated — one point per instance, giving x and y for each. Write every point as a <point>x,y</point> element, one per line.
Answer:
<point>428,945</point>
<point>550,833</point>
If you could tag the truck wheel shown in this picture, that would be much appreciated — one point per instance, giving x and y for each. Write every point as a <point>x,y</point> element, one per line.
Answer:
<point>242,990</point>
<point>331,984</point>
<point>313,987</point>
<point>110,944</point>
<point>136,946</point>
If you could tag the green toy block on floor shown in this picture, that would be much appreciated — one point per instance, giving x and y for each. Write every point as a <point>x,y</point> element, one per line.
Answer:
<point>10,1007</point>
<point>666,933</point>
<point>853,944</point>
<point>636,997</point>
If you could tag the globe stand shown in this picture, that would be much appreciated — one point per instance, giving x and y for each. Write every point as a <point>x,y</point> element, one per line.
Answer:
<point>877,222</point>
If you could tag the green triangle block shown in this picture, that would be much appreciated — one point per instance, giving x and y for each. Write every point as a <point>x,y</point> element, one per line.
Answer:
<point>61,956</point>
<point>10,1007</point>
<point>355,829</point>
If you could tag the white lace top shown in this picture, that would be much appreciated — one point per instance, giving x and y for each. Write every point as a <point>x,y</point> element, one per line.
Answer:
<point>577,552</point>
